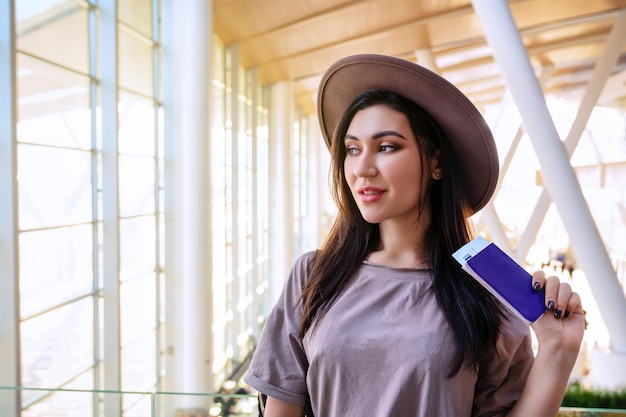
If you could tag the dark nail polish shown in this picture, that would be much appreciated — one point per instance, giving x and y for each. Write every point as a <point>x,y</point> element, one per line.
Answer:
<point>566,314</point>
<point>536,286</point>
<point>551,305</point>
<point>558,313</point>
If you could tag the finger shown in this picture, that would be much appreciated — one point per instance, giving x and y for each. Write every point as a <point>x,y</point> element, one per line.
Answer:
<point>538,280</point>
<point>574,305</point>
<point>562,301</point>
<point>552,291</point>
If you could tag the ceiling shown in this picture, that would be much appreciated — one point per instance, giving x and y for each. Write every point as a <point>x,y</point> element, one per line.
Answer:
<point>298,39</point>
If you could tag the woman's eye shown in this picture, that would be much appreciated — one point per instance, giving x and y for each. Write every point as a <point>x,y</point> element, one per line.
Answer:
<point>387,148</point>
<point>352,151</point>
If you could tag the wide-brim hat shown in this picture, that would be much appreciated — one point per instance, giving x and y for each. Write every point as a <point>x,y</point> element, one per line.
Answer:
<point>468,132</point>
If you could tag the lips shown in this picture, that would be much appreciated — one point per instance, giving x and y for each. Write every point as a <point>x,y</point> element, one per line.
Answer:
<point>370,194</point>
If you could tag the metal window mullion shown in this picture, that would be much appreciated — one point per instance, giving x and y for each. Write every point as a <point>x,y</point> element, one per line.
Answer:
<point>156,45</point>
<point>9,244</point>
<point>93,106</point>
<point>110,205</point>
<point>169,204</point>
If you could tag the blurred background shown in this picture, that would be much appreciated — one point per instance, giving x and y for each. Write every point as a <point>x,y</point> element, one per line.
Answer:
<point>161,167</point>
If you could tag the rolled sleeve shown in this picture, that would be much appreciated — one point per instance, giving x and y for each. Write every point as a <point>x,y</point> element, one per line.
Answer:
<point>279,364</point>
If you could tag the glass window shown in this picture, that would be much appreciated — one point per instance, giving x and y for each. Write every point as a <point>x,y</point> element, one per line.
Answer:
<point>299,158</point>
<point>54,30</point>
<point>136,125</point>
<point>54,186</point>
<point>64,404</point>
<point>45,90</point>
<point>137,246</point>
<point>55,266</point>
<point>138,307</point>
<point>137,193</point>
<point>70,129</point>
<point>57,346</point>
<point>240,209</point>
<point>137,14</point>
<point>135,65</point>
<point>61,201</point>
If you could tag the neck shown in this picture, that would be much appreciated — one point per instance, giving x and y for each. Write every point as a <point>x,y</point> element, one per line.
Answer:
<point>402,245</point>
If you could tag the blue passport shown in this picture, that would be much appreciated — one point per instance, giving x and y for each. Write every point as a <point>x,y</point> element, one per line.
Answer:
<point>503,277</point>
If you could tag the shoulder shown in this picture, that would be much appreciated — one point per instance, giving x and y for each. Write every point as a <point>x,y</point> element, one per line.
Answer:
<point>299,273</point>
<point>304,262</point>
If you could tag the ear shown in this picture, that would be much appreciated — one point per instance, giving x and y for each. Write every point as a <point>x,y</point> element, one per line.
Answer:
<point>435,168</point>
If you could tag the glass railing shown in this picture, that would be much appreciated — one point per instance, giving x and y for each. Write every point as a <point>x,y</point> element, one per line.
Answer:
<point>590,412</point>
<point>93,403</point>
<point>42,402</point>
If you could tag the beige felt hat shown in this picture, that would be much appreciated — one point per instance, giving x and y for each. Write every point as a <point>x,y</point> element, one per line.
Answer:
<point>464,125</point>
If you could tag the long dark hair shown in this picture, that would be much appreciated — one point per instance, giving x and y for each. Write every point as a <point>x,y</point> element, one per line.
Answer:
<point>472,313</point>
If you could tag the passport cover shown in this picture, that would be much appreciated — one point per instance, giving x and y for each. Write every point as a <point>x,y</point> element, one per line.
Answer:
<point>503,277</point>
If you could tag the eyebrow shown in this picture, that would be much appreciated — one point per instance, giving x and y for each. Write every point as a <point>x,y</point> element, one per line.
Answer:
<point>378,135</point>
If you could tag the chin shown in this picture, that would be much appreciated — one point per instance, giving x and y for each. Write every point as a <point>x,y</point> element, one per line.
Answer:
<point>371,219</point>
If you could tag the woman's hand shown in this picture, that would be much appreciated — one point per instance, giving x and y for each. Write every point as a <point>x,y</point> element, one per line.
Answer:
<point>561,328</point>
<point>559,333</point>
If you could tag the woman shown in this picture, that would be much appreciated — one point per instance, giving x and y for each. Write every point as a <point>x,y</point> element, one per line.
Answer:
<point>381,321</point>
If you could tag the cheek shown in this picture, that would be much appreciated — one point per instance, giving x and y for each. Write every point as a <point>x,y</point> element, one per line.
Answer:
<point>348,172</point>
<point>408,176</point>
<point>403,170</point>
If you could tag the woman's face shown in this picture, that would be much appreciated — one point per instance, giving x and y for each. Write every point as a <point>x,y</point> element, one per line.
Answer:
<point>383,165</point>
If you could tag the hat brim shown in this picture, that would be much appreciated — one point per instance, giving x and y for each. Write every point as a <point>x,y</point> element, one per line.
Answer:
<point>468,133</point>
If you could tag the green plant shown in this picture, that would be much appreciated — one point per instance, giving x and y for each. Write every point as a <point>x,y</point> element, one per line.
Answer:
<point>577,396</point>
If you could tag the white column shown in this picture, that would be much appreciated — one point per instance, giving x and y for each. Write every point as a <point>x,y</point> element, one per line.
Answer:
<point>9,264</point>
<point>110,206</point>
<point>187,46</point>
<point>238,285</point>
<point>280,125</point>
<point>559,177</point>
<point>489,215</point>
<point>598,79</point>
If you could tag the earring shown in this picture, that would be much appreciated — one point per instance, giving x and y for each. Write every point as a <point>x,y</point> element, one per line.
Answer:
<point>437,174</point>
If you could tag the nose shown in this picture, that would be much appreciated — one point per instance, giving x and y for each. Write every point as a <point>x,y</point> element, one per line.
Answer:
<point>365,165</point>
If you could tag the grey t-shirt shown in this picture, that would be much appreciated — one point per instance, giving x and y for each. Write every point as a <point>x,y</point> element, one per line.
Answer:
<point>383,349</point>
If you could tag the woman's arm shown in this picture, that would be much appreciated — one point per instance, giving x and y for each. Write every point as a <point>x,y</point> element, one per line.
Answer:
<point>278,408</point>
<point>559,333</point>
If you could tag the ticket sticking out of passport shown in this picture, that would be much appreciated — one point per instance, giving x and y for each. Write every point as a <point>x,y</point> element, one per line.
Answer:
<point>503,277</point>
